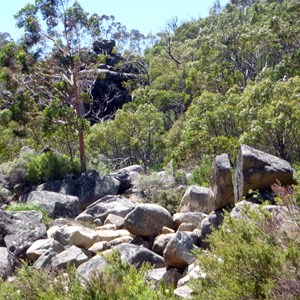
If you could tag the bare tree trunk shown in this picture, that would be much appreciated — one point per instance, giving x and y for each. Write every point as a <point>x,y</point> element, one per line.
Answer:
<point>80,128</point>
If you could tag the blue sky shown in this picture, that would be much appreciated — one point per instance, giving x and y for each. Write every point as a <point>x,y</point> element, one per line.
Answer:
<point>144,15</point>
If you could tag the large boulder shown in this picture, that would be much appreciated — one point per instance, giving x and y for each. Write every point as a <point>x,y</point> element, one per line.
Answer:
<point>178,252</point>
<point>148,220</point>
<point>88,188</point>
<point>7,263</point>
<point>57,205</point>
<point>137,255</point>
<point>221,182</point>
<point>110,205</point>
<point>196,198</point>
<point>20,229</point>
<point>93,267</point>
<point>257,170</point>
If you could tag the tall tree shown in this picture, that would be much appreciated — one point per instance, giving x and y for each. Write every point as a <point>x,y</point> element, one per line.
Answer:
<point>64,30</point>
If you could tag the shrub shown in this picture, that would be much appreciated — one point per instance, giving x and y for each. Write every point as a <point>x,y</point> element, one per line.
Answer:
<point>163,188</point>
<point>121,281</point>
<point>248,258</point>
<point>49,166</point>
<point>201,174</point>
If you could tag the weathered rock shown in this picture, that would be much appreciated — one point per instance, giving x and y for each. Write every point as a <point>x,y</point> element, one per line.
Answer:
<point>221,182</point>
<point>73,255</point>
<point>21,229</point>
<point>107,227</point>
<point>119,240</point>
<point>93,267</point>
<point>73,235</point>
<point>161,242</point>
<point>128,177</point>
<point>188,217</point>
<point>183,292</point>
<point>88,188</point>
<point>99,247</point>
<point>187,227</point>
<point>57,205</point>
<point>196,199</point>
<point>257,170</point>
<point>7,263</point>
<point>148,220</point>
<point>166,230</point>
<point>115,220</point>
<point>5,194</point>
<point>167,276</point>
<point>213,220</point>
<point>192,271</point>
<point>44,261</point>
<point>41,246</point>
<point>110,205</point>
<point>178,252</point>
<point>84,217</point>
<point>109,235</point>
<point>138,255</point>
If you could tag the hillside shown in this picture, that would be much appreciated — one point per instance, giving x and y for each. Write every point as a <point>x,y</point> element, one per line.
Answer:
<point>82,100</point>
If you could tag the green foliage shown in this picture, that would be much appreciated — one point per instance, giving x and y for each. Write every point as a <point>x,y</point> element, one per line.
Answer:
<point>249,257</point>
<point>121,281</point>
<point>49,166</point>
<point>201,174</point>
<point>133,136</point>
<point>163,188</point>
<point>30,206</point>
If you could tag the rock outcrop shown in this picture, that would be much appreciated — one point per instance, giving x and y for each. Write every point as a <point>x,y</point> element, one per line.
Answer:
<point>257,170</point>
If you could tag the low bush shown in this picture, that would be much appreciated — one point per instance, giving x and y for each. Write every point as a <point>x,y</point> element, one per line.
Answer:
<point>121,281</point>
<point>49,166</point>
<point>249,259</point>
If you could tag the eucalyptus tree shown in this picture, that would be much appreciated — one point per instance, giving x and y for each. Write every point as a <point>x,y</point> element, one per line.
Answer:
<point>63,32</point>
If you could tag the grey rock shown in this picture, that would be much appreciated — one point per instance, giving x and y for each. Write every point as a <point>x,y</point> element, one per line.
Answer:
<point>114,219</point>
<point>166,276</point>
<point>73,255</point>
<point>257,170</point>
<point>110,205</point>
<point>178,252</point>
<point>57,205</point>
<point>138,255</point>
<point>221,182</point>
<point>88,188</point>
<point>188,217</point>
<point>213,220</point>
<point>161,242</point>
<point>196,199</point>
<point>20,229</point>
<point>84,217</point>
<point>73,235</point>
<point>183,292</point>
<point>93,267</point>
<point>148,220</point>
<point>8,262</point>
<point>41,246</point>
<point>44,261</point>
